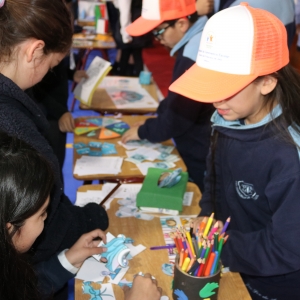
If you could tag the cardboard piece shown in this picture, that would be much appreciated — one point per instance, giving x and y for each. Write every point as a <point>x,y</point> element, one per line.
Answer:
<point>151,195</point>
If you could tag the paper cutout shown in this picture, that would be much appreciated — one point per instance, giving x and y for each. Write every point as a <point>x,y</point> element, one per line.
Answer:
<point>104,128</point>
<point>119,128</point>
<point>103,293</point>
<point>181,295</point>
<point>107,134</point>
<point>92,133</point>
<point>116,253</point>
<point>79,145</point>
<point>86,124</point>
<point>207,290</point>
<point>109,121</point>
<point>96,121</point>
<point>82,130</point>
<point>168,269</point>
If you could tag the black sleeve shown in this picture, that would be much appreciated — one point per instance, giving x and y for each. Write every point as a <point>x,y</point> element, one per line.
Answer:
<point>51,276</point>
<point>176,114</point>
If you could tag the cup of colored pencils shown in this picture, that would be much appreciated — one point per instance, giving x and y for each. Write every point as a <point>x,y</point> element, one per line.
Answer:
<point>198,265</point>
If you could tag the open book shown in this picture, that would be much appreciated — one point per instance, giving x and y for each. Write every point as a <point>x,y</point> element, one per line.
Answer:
<point>97,70</point>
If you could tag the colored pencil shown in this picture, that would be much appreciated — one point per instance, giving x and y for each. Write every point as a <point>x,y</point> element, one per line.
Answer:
<point>110,193</point>
<point>202,225</point>
<point>185,264</point>
<point>209,222</point>
<point>209,264</point>
<point>225,225</point>
<point>163,247</point>
<point>213,230</point>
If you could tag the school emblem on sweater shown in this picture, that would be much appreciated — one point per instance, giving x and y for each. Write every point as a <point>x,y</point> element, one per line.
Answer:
<point>246,190</point>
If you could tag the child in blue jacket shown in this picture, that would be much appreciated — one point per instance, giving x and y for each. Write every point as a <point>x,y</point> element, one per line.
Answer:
<point>177,26</point>
<point>253,169</point>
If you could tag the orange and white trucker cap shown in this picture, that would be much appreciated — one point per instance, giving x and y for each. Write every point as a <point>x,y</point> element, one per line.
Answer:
<point>155,12</point>
<point>238,44</point>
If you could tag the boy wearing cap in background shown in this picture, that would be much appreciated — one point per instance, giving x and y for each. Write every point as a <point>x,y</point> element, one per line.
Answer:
<point>176,25</point>
<point>253,169</point>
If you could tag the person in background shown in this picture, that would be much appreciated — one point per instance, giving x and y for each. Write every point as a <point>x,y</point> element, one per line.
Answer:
<point>130,47</point>
<point>177,26</point>
<point>253,169</point>
<point>284,10</point>
<point>52,96</point>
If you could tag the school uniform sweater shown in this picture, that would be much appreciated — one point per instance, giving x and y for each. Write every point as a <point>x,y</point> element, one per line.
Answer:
<point>257,184</point>
<point>52,276</point>
<point>21,117</point>
<point>186,121</point>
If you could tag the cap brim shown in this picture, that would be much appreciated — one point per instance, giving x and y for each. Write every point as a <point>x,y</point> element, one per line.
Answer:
<point>209,86</point>
<point>142,26</point>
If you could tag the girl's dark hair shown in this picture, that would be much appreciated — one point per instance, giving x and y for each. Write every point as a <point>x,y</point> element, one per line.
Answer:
<point>26,180</point>
<point>46,20</point>
<point>287,95</point>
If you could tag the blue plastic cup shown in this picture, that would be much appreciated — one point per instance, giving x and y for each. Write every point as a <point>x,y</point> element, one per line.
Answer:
<point>145,77</point>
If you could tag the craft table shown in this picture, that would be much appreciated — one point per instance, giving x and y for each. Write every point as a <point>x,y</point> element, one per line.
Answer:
<point>102,103</point>
<point>129,170</point>
<point>149,233</point>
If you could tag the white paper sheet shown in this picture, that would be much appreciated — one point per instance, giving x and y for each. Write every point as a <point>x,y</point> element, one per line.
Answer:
<point>91,165</point>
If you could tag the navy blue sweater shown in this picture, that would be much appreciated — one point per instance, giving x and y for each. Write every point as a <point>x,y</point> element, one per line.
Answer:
<point>21,117</point>
<point>257,183</point>
<point>188,122</point>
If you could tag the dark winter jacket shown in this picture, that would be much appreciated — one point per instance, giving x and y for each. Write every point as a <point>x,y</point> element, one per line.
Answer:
<point>257,184</point>
<point>21,117</point>
<point>184,120</point>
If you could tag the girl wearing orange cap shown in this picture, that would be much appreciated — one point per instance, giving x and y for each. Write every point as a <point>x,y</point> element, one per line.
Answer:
<point>253,166</point>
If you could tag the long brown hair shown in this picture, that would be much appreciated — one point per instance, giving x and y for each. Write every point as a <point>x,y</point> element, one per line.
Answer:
<point>46,20</point>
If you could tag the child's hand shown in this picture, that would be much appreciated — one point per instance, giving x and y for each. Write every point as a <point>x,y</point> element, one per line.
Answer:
<point>85,247</point>
<point>204,7</point>
<point>131,134</point>
<point>143,287</point>
<point>197,221</point>
<point>79,74</point>
<point>66,122</point>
